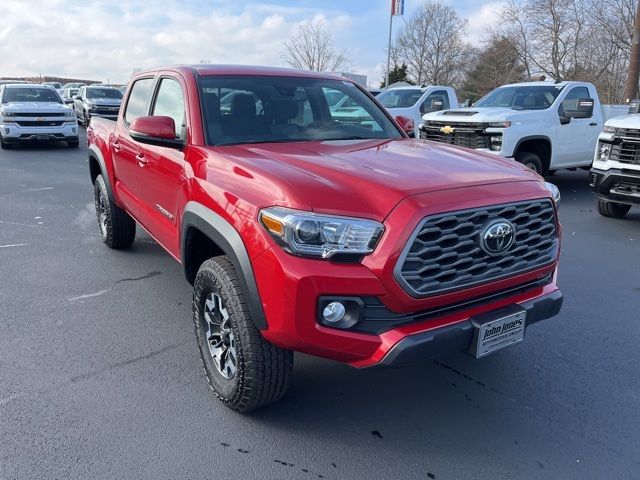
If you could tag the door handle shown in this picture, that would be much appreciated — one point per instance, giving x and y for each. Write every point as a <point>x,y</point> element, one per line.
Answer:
<point>116,145</point>
<point>593,124</point>
<point>142,160</point>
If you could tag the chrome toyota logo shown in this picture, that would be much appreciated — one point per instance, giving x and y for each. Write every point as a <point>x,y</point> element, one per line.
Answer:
<point>497,237</point>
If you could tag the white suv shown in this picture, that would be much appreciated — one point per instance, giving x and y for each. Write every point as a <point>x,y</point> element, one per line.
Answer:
<point>35,113</point>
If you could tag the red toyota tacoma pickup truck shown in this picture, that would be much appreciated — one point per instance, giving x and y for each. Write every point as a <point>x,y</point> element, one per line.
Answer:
<point>302,229</point>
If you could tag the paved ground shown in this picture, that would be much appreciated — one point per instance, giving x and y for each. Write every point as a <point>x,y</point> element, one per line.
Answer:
<point>100,376</point>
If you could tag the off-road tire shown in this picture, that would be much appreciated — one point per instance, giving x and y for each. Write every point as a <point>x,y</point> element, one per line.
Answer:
<point>73,143</point>
<point>532,161</point>
<point>612,209</point>
<point>263,370</point>
<point>119,229</point>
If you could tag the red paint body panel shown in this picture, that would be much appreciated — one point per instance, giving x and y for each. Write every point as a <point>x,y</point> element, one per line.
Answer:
<point>397,182</point>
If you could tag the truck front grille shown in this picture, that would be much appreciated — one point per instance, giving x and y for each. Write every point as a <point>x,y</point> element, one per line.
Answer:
<point>444,253</point>
<point>471,135</point>
<point>39,114</point>
<point>626,152</point>
<point>44,123</point>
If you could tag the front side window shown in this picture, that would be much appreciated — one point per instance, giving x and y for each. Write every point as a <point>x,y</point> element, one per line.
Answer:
<point>138,103</point>
<point>261,109</point>
<point>526,97</point>
<point>170,103</point>
<point>30,94</point>
<point>400,98</point>
<point>570,102</point>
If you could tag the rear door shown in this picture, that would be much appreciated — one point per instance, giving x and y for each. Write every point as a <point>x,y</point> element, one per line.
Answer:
<point>128,162</point>
<point>163,175</point>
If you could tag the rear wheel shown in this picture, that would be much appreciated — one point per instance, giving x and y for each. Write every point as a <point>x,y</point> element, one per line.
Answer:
<point>86,118</point>
<point>117,228</point>
<point>73,143</point>
<point>612,209</point>
<point>530,160</point>
<point>244,371</point>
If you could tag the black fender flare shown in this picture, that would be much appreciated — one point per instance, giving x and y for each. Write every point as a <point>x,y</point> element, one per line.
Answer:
<point>227,238</point>
<point>96,154</point>
<point>534,137</point>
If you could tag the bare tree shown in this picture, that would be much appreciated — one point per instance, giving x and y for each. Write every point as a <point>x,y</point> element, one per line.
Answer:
<point>312,47</point>
<point>432,45</point>
<point>631,89</point>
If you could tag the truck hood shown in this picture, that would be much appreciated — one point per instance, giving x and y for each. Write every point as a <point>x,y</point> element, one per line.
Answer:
<point>366,178</point>
<point>37,107</point>
<point>105,102</point>
<point>626,121</point>
<point>479,115</point>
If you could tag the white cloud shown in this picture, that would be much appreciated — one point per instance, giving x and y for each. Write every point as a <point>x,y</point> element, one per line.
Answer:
<point>100,39</point>
<point>480,20</point>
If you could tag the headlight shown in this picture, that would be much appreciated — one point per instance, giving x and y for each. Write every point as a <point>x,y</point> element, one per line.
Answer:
<point>496,143</point>
<point>499,124</point>
<point>322,236</point>
<point>609,129</point>
<point>555,192</point>
<point>603,151</point>
<point>91,106</point>
<point>8,117</point>
<point>69,114</point>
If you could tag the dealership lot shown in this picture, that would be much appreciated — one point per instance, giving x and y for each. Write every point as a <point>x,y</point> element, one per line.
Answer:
<point>101,377</point>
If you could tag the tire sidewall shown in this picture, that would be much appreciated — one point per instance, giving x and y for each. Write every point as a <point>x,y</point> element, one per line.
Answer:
<point>100,189</point>
<point>531,159</point>
<point>208,281</point>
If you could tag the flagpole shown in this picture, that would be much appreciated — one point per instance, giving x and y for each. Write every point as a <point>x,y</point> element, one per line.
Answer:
<point>386,83</point>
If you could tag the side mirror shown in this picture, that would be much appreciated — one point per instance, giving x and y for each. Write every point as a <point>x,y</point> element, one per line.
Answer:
<point>434,106</point>
<point>406,124</point>
<point>68,100</point>
<point>584,109</point>
<point>158,130</point>
<point>634,107</point>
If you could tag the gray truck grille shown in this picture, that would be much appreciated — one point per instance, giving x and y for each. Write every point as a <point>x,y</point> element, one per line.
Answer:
<point>469,135</point>
<point>626,152</point>
<point>444,252</point>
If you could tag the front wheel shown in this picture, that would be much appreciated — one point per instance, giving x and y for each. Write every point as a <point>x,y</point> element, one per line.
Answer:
<point>117,228</point>
<point>73,143</point>
<point>612,209</point>
<point>530,160</point>
<point>244,371</point>
<point>5,145</point>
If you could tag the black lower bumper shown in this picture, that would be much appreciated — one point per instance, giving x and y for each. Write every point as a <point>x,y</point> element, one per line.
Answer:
<point>621,186</point>
<point>33,138</point>
<point>435,343</point>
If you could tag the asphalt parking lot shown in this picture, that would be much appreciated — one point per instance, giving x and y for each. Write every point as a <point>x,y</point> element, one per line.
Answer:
<point>100,375</point>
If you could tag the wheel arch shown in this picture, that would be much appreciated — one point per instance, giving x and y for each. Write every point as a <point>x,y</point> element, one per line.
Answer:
<point>540,145</point>
<point>97,166</point>
<point>205,233</point>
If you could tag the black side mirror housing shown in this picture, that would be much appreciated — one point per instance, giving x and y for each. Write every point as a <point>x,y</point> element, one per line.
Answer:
<point>584,108</point>
<point>634,107</point>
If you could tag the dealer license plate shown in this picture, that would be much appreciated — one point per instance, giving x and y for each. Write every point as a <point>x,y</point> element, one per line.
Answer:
<point>496,330</point>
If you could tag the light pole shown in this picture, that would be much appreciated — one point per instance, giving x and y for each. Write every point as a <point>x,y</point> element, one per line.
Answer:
<point>397,8</point>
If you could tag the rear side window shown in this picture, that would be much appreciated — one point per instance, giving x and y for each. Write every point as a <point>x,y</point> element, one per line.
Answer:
<point>138,103</point>
<point>170,103</point>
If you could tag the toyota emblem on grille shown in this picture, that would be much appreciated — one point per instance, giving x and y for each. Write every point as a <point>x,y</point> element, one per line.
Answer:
<point>497,237</point>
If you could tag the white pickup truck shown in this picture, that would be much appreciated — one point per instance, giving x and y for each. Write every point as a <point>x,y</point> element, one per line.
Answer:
<point>544,125</point>
<point>35,113</point>
<point>413,102</point>
<point>615,176</point>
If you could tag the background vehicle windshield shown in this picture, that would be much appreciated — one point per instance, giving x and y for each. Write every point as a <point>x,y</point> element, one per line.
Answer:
<point>400,98</point>
<point>521,98</point>
<point>261,109</point>
<point>30,94</point>
<point>104,93</point>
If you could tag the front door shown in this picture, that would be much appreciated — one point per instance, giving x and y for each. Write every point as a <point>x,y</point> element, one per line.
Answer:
<point>576,139</point>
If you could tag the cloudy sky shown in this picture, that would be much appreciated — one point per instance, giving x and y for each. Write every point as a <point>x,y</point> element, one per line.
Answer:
<point>107,39</point>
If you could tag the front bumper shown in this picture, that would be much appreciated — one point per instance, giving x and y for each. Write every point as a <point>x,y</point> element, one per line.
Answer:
<point>14,133</point>
<point>458,336</point>
<point>620,186</point>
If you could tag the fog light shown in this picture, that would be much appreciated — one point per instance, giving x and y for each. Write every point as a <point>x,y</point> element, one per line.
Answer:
<point>334,312</point>
<point>496,143</point>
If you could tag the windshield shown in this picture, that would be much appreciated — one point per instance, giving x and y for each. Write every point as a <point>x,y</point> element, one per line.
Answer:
<point>400,98</point>
<point>30,94</point>
<point>257,109</point>
<point>522,97</point>
<point>104,93</point>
